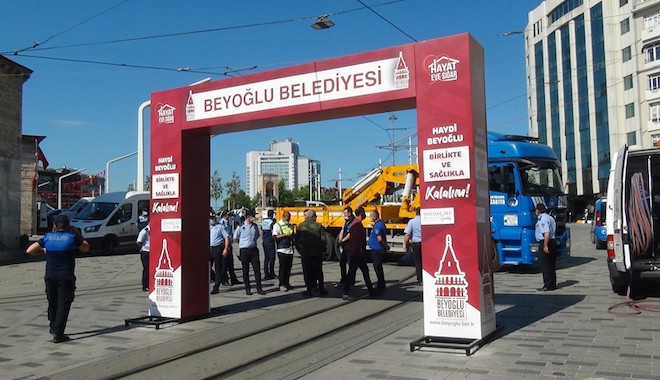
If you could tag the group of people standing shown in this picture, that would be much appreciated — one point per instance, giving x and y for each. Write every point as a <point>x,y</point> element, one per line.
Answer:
<point>309,239</point>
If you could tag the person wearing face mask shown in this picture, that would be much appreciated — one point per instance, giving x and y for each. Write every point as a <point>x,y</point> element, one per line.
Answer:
<point>246,236</point>
<point>343,237</point>
<point>379,247</point>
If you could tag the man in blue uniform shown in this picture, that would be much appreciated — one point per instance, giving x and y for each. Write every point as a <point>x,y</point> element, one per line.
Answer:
<point>246,236</point>
<point>378,246</point>
<point>219,243</point>
<point>545,235</point>
<point>269,245</point>
<point>413,238</point>
<point>60,247</point>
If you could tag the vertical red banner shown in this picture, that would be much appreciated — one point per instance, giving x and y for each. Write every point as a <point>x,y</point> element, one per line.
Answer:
<point>458,288</point>
<point>178,281</point>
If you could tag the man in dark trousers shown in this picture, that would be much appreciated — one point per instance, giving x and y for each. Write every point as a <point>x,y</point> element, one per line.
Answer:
<point>60,247</point>
<point>268,243</point>
<point>343,238</point>
<point>545,235</point>
<point>357,255</point>
<point>310,242</point>
<point>246,236</point>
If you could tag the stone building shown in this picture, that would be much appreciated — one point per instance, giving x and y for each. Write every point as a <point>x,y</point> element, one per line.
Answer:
<point>12,77</point>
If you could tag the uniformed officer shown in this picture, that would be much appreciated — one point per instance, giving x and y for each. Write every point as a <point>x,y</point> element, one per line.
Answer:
<point>268,243</point>
<point>545,235</point>
<point>219,244</point>
<point>413,238</point>
<point>246,235</point>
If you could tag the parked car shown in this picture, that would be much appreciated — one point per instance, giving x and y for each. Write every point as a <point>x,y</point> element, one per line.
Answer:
<point>598,229</point>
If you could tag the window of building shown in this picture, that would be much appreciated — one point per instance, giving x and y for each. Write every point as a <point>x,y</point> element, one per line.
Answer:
<point>627,82</point>
<point>630,110</point>
<point>651,21</point>
<point>655,140</point>
<point>625,26</point>
<point>654,81</point>
<point>632,138</point>
<point>627,54</point>
<point>654,112</point>
<point>622,2</point>
<point>652,51</point>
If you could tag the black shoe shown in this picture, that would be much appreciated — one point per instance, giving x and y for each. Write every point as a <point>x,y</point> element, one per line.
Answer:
<point>225,283</point>
<point>261,292</point>
<point>145,289</point>
<point>215,291</point>
<point>61,338</point>
<point>307,293</point>
<point>289,287</point>
<point>248,292</point>
<point>546,289</point>
<point>235,282</point>
<point>346,297</point>
<point>52,332</point>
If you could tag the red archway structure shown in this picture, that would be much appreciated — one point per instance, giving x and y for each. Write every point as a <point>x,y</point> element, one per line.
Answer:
<point>442,78</point>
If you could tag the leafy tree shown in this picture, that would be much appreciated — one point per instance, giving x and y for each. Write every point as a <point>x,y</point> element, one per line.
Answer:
<point>286,196</point>
<point>131,187</point>
<point>216,188</point>
<point>147,183</point>
<point>232,187</point>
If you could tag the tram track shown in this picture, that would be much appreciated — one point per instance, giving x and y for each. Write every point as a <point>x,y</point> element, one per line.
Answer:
<point>250,346</point>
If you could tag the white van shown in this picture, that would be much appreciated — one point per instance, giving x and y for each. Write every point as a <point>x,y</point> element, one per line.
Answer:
<point>111,219</point>
<point>75,208</point>
<point>633,218</point>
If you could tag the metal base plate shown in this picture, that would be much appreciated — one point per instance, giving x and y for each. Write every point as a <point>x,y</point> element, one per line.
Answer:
<point>469,345</point>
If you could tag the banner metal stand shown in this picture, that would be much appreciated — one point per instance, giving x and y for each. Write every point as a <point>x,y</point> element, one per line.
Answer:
<point>469,345</point>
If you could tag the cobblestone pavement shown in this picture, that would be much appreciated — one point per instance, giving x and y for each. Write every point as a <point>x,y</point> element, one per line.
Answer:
<point>568,333</point>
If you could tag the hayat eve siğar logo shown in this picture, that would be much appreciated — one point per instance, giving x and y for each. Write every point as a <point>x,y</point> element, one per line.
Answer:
<point>166,114</point>
<point>443,69</point>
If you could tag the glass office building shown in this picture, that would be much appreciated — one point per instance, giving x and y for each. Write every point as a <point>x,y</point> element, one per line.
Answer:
<point>593,74</point>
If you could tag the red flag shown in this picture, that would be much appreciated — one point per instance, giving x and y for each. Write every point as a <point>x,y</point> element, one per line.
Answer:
<point>41,157</point>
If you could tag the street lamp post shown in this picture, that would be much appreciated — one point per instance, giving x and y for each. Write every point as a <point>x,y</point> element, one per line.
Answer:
<point>140,138</point>
<point>59,186</point>
<point>107,169</point>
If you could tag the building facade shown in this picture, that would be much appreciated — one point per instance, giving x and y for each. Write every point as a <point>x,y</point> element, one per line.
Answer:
<point>592,78</point>
<point>12,78</point>
<point>282,159</point>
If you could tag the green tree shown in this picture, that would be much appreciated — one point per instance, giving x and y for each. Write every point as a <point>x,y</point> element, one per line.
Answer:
<point>286,196</point>
<point>147,183</point>
<point>232,187</point>
<point>216,188</point>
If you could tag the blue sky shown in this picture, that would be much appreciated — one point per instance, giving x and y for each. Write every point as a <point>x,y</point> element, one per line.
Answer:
<point>97,61</point>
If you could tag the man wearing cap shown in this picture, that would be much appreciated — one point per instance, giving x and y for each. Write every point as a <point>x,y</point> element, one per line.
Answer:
<point>60,247</point>
<point>545,235</point>
<point>246,236</point>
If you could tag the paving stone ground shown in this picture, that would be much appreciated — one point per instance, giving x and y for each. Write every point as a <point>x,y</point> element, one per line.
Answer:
<point>568,333</point>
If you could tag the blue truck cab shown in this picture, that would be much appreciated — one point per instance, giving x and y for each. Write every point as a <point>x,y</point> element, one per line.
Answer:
<point>523,173</point>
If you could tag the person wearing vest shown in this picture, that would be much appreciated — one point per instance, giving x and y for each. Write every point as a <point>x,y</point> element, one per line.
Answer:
<point>246,236</point>
<point>269,245</point>
<point>283,235</point>
<point>60,247</point>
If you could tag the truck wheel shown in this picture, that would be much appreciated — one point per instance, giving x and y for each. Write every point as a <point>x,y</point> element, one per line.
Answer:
<point>329,247</point>
<point>108,246</point>
<point>620,285</point>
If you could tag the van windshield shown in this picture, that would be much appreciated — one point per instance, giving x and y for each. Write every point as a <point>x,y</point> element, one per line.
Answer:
<point>96,211</point>
<point>541,177</point>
